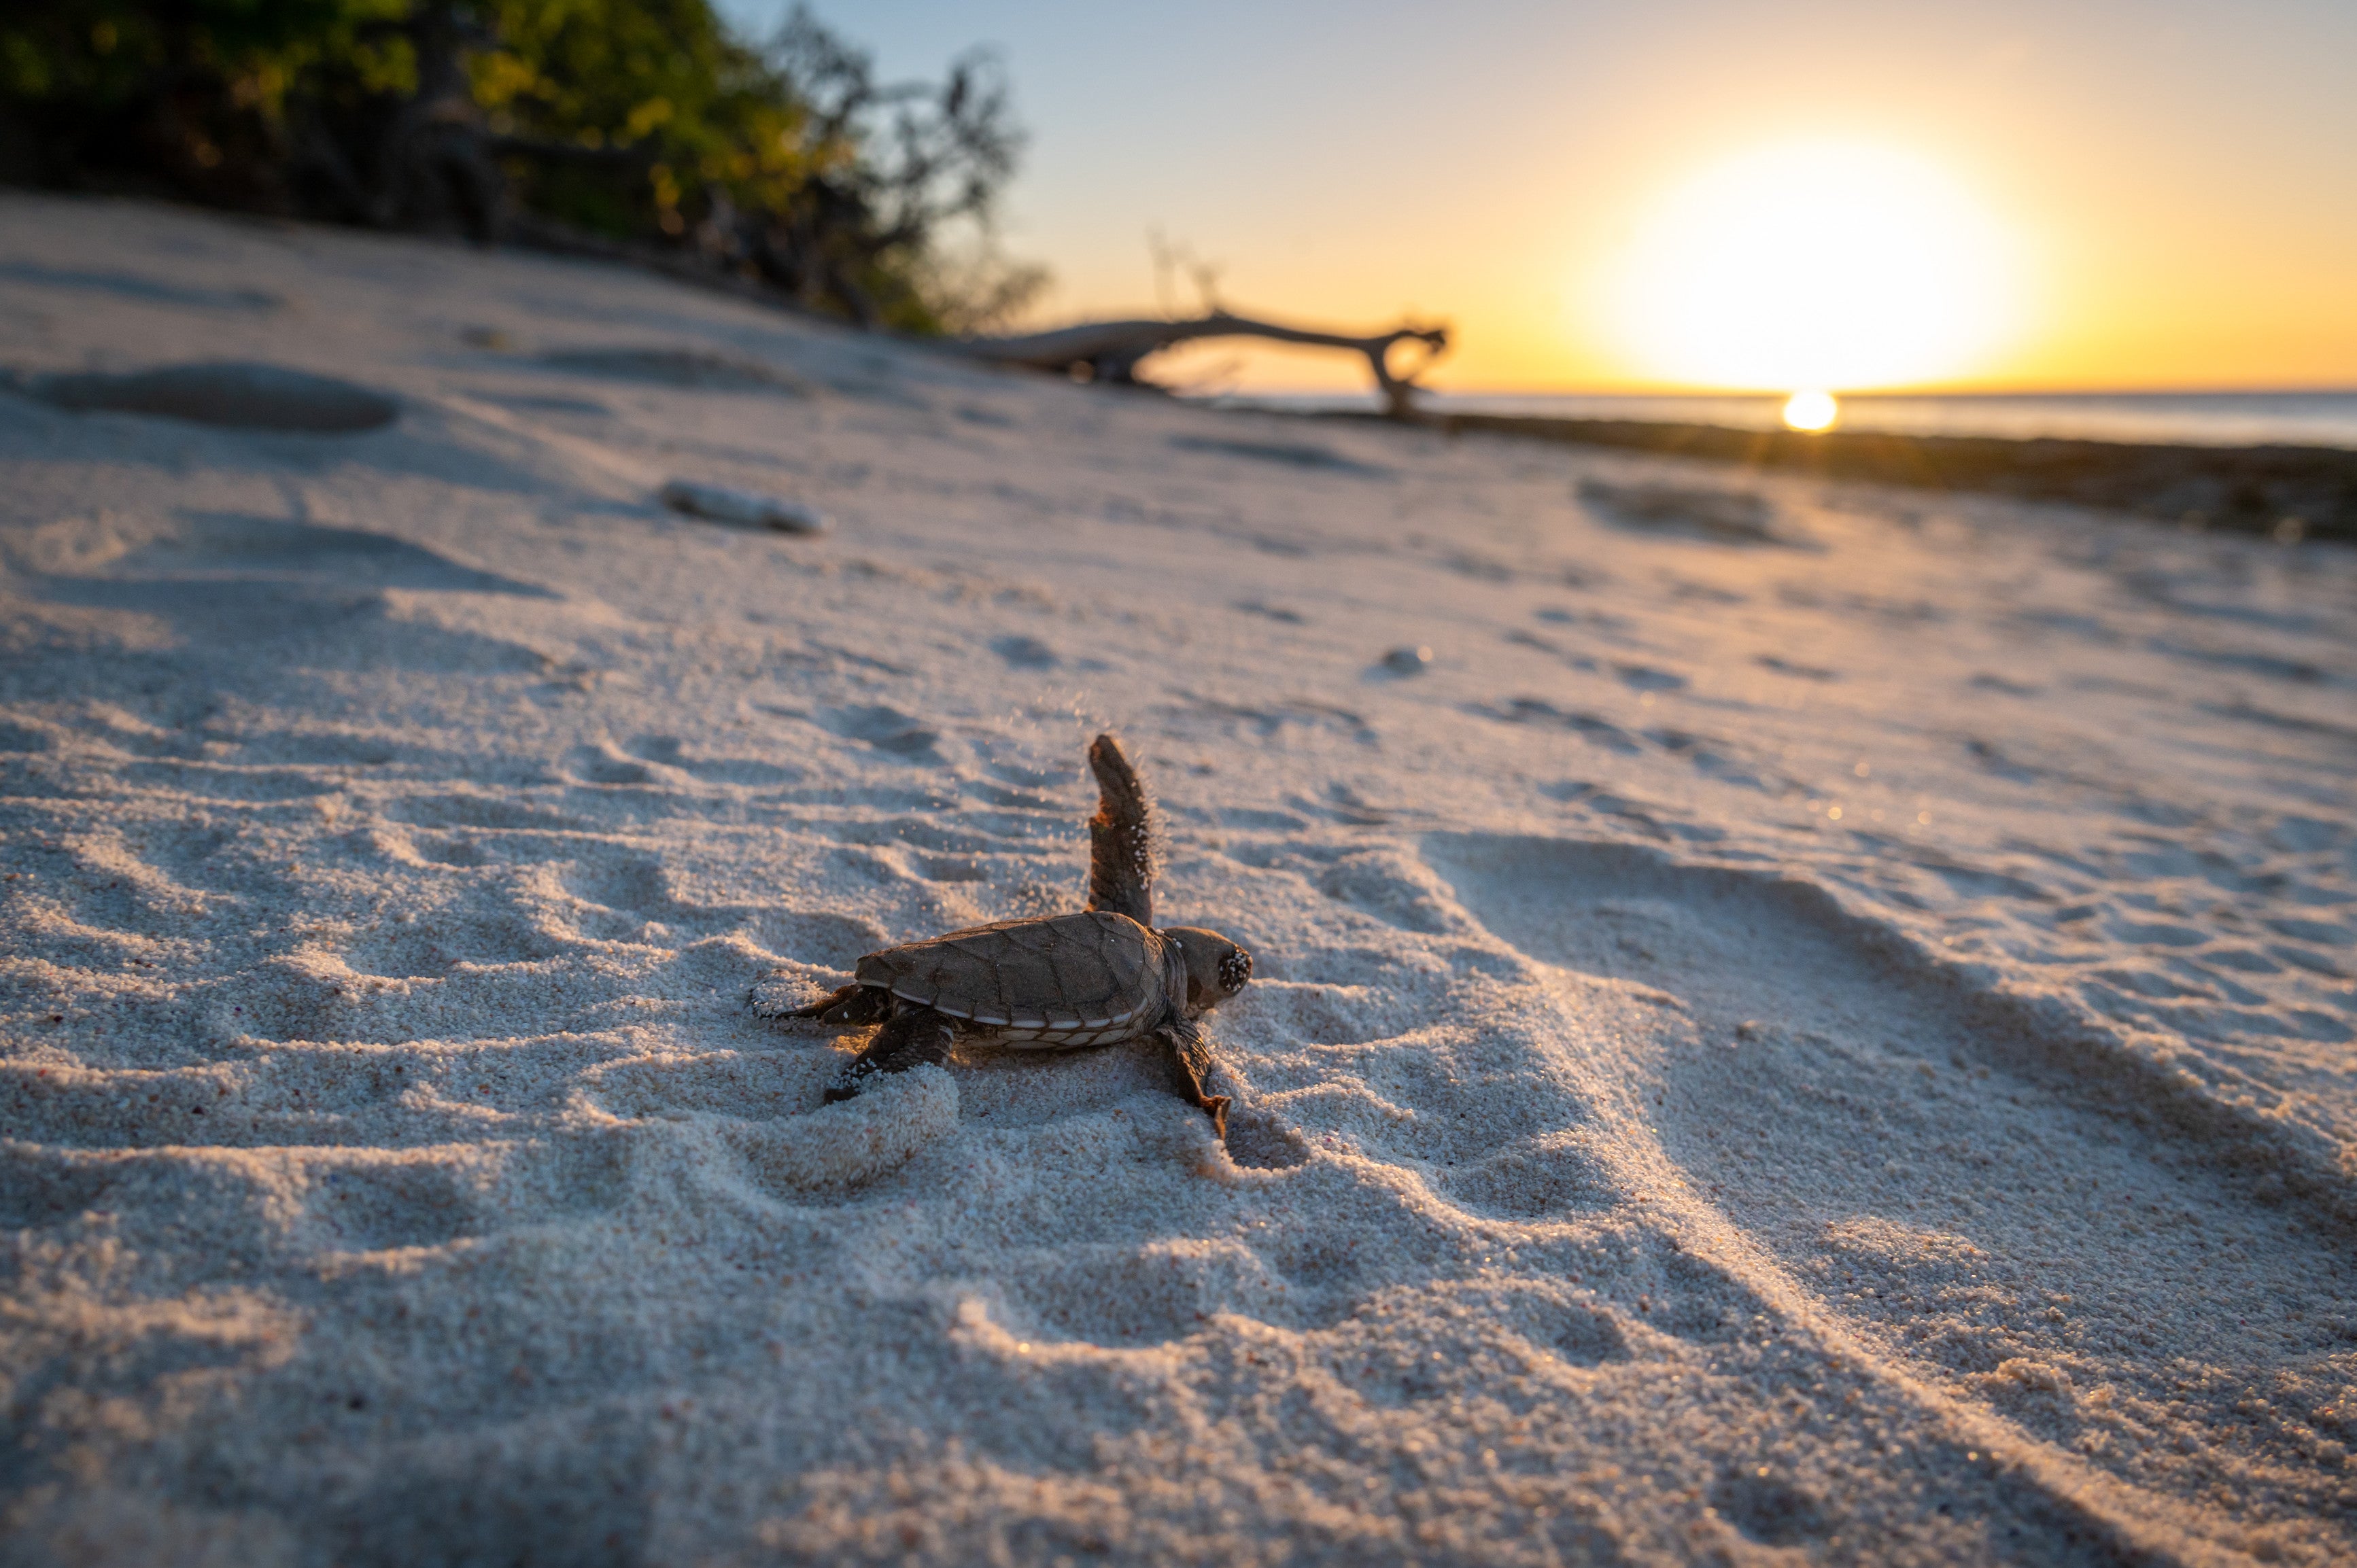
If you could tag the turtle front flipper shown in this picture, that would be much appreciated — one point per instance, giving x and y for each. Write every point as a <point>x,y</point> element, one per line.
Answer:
<point>912,1036</point>
<point>853,1003</point>
<point>1190,1063</point>
<point>1121,837</point>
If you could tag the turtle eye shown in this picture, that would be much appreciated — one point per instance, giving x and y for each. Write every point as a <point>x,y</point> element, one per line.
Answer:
<point>1234,969</point>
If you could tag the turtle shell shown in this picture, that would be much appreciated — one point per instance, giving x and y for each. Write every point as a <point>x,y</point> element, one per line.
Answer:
<point>1069,980</point>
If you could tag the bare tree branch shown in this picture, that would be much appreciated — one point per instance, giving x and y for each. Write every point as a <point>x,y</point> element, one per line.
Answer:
<point>1111,350</point>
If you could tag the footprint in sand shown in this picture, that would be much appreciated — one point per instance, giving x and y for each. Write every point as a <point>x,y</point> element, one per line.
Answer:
<point>695,368</point>
<point>1601,731</point>
<point>231,583</point>
<point>1025,652</point>
<point>685,1115</point>
<point>886,729</point>
<point>670,752</point>
<point>240,396</point>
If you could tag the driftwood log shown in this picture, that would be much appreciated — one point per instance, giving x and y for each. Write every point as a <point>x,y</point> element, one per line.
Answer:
<point>1111,350</point>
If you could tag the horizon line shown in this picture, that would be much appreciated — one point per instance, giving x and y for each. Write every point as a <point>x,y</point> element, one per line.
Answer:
<point>1778,393</point>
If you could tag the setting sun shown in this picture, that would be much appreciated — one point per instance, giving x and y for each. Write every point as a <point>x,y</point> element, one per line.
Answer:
<point>1811,410</point>
<point>1817,265</point>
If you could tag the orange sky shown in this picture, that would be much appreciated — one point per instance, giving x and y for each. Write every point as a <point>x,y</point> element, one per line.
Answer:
<point>2176,185</point>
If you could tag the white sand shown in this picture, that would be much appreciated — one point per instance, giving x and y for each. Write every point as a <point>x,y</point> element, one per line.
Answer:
<point>1631,1162</point>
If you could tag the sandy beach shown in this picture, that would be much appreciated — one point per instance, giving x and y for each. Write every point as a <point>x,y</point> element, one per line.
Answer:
<point>1818,1027</point>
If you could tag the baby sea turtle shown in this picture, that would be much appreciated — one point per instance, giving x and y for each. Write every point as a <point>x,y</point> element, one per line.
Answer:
<point>1059,982</point>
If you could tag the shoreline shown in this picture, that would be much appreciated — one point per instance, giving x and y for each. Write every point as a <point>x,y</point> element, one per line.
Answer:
<point>2288,492</point>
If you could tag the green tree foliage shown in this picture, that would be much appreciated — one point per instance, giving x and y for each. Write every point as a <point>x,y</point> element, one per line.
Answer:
<point>647,122</point>
<point>690,110</point>
<point>184,96</point>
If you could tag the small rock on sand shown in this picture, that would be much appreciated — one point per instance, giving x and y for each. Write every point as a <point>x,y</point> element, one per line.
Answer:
<point>1408,660</point>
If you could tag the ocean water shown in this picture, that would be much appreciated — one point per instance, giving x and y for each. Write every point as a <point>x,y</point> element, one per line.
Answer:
<point>2209,419</point>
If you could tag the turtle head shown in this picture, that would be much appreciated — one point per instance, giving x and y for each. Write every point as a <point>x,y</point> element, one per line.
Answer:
<point>1216,967</point>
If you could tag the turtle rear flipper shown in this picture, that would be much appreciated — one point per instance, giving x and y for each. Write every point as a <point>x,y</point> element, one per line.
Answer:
<point>1121,837</point>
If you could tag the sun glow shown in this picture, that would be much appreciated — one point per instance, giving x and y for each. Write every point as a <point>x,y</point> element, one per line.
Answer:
<point>1811,410</point>
<point>1815,265</point>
